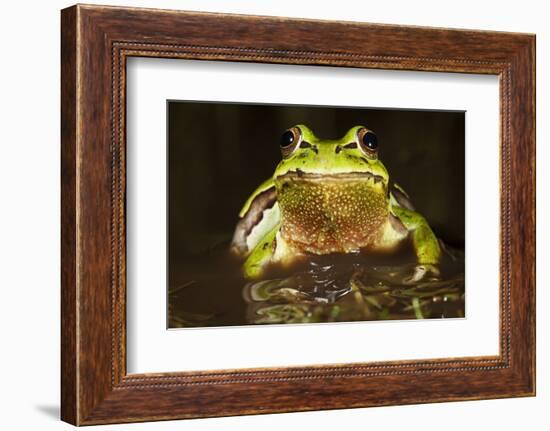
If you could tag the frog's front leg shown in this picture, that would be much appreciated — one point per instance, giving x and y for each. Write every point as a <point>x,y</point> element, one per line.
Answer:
<point>261,254</point>
<point>425,243</point>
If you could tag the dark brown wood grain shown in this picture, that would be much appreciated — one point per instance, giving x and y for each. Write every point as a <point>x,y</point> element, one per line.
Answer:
<point>96,41</point>
<point>68,216</point>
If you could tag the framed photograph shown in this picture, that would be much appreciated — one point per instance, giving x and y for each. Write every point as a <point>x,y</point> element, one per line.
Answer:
<point>331,214</point>
<point>325,234</point>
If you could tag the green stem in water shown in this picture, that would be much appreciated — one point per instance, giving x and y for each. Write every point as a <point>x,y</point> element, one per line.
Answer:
<point>417,310</point>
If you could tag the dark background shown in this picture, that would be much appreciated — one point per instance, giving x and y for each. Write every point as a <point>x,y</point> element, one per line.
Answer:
<point>218,153</point>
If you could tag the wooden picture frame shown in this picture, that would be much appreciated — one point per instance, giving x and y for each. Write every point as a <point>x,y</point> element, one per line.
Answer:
<point>96,41</point>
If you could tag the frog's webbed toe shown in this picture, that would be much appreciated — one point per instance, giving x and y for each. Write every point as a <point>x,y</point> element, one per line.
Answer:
<point>423,272</point>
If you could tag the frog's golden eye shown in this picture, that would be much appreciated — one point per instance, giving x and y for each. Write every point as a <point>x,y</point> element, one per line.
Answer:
<point>368,142</point>
<point>290,141</point>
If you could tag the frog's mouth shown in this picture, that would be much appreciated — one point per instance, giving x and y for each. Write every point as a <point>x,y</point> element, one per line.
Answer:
<point>299,175</point>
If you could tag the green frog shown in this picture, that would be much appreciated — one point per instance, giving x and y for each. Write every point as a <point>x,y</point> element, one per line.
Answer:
<point>330,196</point>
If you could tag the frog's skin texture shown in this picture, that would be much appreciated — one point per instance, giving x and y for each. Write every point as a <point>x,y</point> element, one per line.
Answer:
<point>329,196</point>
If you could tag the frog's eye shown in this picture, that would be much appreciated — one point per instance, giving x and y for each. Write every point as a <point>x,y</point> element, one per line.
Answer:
<point>290,140</point>
<point>368,142</point>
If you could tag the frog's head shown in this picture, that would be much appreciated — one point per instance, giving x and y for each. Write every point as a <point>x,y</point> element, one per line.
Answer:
<point>353,156</point>
<point>333,194</point>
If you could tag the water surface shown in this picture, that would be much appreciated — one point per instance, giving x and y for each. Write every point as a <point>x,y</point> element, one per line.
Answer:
<point>210,291</point>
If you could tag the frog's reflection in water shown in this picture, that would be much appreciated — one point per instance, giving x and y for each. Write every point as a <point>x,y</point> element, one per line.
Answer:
<point>325,289</point>
<point>354,292</point>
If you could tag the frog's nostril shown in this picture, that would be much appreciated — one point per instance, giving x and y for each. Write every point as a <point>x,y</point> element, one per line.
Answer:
<point>305,144</point>
<point>337,149</point>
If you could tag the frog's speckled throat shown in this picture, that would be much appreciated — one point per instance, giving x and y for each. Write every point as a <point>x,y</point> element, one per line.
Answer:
<point>328,214</point>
